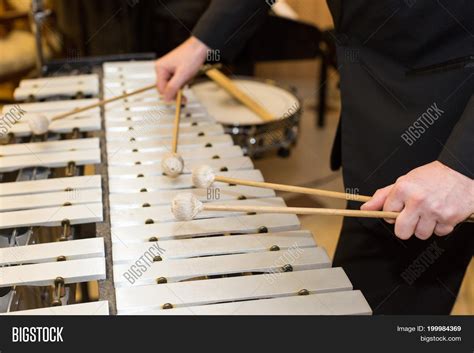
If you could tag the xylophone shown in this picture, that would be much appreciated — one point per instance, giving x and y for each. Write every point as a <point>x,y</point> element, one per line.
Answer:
<point>146,262</point>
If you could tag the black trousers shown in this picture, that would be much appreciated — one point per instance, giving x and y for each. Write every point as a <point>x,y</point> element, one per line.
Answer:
<point>404,277</point>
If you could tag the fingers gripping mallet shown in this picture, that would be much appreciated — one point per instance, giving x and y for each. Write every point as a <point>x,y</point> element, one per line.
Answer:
<point>204,177</point>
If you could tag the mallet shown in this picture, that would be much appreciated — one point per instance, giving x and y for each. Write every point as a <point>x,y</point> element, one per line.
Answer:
<point>173,164</point>
<point>204,176</point>
<point>39,123</point>
<point>186,206</point>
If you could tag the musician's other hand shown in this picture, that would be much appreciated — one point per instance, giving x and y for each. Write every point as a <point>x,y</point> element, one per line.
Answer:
<point>178,66</point>
<point>431,199</point>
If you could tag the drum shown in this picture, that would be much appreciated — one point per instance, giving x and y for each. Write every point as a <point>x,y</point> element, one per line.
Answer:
<point>255,136</point>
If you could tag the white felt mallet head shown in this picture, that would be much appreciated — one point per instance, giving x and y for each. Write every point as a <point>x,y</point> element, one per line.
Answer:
<point>186,206</point>
<point>172,165</point>
<point>39,124</point>
<point>203,176</point>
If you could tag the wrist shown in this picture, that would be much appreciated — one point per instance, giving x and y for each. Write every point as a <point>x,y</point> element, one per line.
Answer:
<point>197,46</point>
<point>464,180</point>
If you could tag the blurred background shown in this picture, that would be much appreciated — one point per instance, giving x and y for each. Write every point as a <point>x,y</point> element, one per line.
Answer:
<point>294,47</point>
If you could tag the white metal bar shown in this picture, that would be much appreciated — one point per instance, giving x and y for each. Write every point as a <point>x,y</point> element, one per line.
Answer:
<point>160,214</point>
<point>49,252</point>
<point>271,262</point>
<point>88,309</point>
<point>164,197</point>
<point>62,126</point>
<point>50,199</point>
<point>212,246</point>
<point>188,294</point>
<point>44,274</point>
<point>204,227</point>
<point>52,216</point>
<point>51,185</point>
<point>50,160</point>
<point>49,146</point>
<point>134,171</point>
<point>338,303</point>
<point>183,181</point>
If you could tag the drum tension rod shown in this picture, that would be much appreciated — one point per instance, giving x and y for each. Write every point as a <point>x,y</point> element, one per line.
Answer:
<point>58,291</point>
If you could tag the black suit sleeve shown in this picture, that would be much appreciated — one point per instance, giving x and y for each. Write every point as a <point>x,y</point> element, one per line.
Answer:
<point>458,152</point>
<point>228,24</point>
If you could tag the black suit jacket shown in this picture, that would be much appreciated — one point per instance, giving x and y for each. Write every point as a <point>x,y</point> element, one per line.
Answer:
<point>393,120</point>
<point>227,25</point>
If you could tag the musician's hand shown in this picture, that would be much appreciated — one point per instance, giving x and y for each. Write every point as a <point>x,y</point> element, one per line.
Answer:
<point>432,199</point>
<point>178,66</point>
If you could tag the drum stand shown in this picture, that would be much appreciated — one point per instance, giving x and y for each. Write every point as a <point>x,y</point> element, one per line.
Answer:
<point>38,15</point>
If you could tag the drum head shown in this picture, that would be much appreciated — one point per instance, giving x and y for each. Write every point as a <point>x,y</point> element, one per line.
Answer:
<point>228,111</point>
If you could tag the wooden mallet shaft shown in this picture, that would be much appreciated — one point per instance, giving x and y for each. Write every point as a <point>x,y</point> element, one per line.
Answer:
<point>227,84</point>
<point>103,102</point>
<point>177,115</point>
<point>301,211</point>
<point>318,192</point>
<point>295,189</point>
<point>307,211</point>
